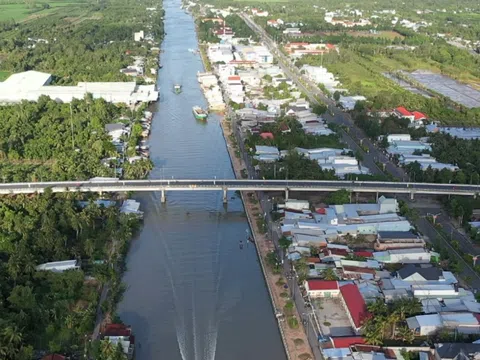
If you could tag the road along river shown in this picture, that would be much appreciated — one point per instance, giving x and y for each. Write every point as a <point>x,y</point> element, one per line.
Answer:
<point>193,293</point>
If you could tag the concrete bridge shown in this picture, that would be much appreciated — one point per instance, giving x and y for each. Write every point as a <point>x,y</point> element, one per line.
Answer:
<point>113,185</point>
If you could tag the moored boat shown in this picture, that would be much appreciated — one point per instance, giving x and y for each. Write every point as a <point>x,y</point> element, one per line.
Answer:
<point>177,88</point>
<point>199,113</point>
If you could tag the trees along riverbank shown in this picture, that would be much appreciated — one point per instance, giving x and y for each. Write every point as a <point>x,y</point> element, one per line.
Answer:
<point>46,140</point>
<point>55,311</point>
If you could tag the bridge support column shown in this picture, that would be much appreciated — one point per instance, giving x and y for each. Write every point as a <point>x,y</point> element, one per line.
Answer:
<point>225,197</point>
<point>412,196</point>
<point>286,194</point>
<point>163,198</point>
<point>356,197</point>
<point>475,196</point>
<point>376,196</point>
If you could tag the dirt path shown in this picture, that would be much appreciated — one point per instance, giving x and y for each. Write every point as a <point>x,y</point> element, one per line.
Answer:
<point>295,340</point>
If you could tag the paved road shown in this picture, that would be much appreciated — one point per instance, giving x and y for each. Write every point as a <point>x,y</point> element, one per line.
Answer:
<point>374,155</point>
<point>336,116</point>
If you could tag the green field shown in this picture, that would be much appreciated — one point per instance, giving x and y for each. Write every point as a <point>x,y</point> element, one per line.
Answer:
<point>21,11</point>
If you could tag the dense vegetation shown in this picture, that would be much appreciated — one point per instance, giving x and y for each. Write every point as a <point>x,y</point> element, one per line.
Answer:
<point>54,311</point>
<point>53,141</point>
<point>43,311</point>
<point>386,322</point>
<point>288,134</point>
<point>90,44</point>
<point>206,28</point>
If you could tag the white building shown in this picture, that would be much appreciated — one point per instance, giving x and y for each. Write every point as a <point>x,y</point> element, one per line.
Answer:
<point>320,75</point>
<point>59,266</point>
<point>139,36</point>
<point>30,85</point>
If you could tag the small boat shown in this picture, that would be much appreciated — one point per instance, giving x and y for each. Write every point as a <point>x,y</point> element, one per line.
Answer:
<point>160,66</point>
<point>199,113</point>
<point>177,88</point>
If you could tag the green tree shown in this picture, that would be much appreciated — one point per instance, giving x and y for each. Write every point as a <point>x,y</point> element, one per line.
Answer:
<point>338,197</point>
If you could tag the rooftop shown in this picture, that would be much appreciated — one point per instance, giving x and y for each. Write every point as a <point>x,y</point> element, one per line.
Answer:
<point>322,285</point>
<point>355,303</point>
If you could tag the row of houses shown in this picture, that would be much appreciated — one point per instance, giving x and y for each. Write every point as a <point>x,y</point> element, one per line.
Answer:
<point>359,244</point>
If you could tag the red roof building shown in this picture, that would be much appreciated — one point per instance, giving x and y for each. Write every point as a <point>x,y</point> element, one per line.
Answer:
<point>266,135</point>
<point>355,305</point>
<point>419,116</point>
<point>346,341</point>
<point>365,254</point>
<point>313,260</point>
<point>402,111</point>
<point>322,288</point>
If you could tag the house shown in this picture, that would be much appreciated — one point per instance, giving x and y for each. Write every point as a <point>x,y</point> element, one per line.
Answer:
<point>397,239</point>
<point>462,323</point>
<point>346,341</point>
<point>416,273</point>
<point>138,36</point>
<point>292,31</point>
<point>131,206</point>
<point>121,334</point>
<point>403,256</point>
<point>354,305</point>
<point>266,135</point>
<point>398,137</point>
<point>414,117</point>
<point>116,131</point>
<point>322,288</point>
<point>59,266</point>
<point>457,351</point>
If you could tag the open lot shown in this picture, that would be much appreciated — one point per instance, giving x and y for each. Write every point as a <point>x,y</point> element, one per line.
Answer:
<point>332,317</point>
<point>378,34</point>
<point>458,92</point>
<point>21,11</point>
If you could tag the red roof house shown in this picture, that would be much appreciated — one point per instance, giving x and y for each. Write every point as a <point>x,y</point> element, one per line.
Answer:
<point>417,115</point>
<point>364,253</point>
<point>322,288</point>
<point>346,341</point>
<point>266,135</point>
<point>330,47</point>
<point>402,111</point>
<point>355,305</point>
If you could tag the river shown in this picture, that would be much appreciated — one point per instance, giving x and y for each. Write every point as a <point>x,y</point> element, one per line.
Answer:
<point>192,293</point>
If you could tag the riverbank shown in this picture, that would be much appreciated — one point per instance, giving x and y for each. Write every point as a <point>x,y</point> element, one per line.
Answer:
<point>294,340</point>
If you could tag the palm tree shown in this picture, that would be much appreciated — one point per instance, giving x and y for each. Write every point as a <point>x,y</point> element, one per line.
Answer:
<point>12,335</point>
<point>107,349</point>
<point>405,334</point>
<point>329,274</point>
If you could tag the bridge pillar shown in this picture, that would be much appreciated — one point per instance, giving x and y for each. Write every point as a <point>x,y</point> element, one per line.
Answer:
<point>286,194</point>
<point>475,195</point>
<point>376,196</point>
<point>356,197</point>
<point>225,197</point>
<point>163,198</point>
<point>412,196</point>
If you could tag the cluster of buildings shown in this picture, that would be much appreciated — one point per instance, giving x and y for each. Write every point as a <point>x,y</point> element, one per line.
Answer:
<point>336,18</point>
<point>373,253</point>
<point>465,133</point>
<point>211,89</point>
<point>299,49</point>
<point>119,133</point>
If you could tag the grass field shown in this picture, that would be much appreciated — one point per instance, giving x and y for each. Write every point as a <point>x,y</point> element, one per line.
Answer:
<point>21,12</point>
